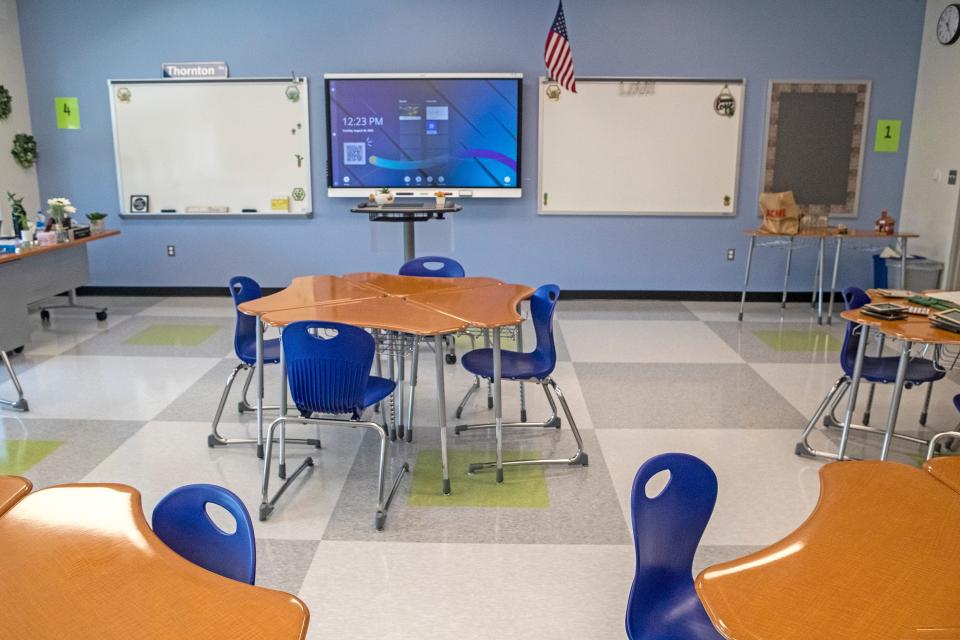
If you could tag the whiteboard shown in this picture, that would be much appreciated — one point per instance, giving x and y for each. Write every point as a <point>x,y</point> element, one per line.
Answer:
<point>213,147</point>
<point>639,146</point>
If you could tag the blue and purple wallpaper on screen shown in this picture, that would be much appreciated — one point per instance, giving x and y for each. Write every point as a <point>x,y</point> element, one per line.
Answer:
<point>417,132</point>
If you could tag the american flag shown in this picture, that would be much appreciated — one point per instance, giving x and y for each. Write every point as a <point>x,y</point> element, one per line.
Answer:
<point>557,54</point>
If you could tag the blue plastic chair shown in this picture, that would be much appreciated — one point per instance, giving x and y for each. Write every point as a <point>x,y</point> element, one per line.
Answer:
<point>876,370</point>
<point>433,267</point>
<point>663,603</point>
<point>244,289</point>
<point>180,519</point>
<point>535,366</point>
<point>328,368</point>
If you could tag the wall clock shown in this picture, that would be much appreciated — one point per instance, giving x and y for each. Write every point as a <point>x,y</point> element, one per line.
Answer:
<point>948,26</point>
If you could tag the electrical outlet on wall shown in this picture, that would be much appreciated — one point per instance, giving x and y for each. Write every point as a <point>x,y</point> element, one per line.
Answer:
<point>171,250</point>
<point>731,254</point>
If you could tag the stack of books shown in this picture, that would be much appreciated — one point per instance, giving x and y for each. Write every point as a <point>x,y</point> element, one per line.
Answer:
<point>885,310</point>
<point>949,320</point>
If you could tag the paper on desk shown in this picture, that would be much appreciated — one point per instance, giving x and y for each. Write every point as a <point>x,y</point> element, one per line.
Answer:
<point>949,296</point>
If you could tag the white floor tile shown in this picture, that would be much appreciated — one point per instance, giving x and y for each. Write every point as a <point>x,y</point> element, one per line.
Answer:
<point>645,341</point>
<point>165,455</point>
<point>107,387</point>
<point>190,307</point>
<point>765,491</point>
<point>759,311</point>
<point>370,591</point>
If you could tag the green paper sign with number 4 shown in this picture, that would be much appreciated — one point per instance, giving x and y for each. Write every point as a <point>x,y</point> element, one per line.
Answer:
<point>68,113</point>
<point>888,136</point>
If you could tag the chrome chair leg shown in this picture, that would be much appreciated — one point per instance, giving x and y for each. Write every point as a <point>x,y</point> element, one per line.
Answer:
<point>803,447</point>
<point>20,404</point>
<point>377,366</point>
<point>268,503</point>
<point>926,405</point>
<point>553,422</point>
<point>486,345</point>
<point>466,397</point>
<point>951,438</point>
<point>578,458</point>
<point>215,439</point>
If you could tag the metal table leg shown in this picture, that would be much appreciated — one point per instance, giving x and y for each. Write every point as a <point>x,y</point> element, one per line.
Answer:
<point>786,274</point>
<point>20,404</point>
<point>854,387</point>
<point>283,411</point>
<point>401,376</point>
<point>820,281</point>
<point>746,276</point>
<point>259,375</point>
<point>441,413</point>
<point>409,241</point>
<point>414,362</point>
<point>895,400</point>
<point>523,395</point>
<point>833,280</point>
<point>498,402</point>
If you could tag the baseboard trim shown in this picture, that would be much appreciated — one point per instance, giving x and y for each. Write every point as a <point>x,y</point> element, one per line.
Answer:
<point>567,294</point>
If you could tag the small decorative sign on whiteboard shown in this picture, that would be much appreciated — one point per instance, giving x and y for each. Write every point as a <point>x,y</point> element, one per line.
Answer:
<point>195,70</point>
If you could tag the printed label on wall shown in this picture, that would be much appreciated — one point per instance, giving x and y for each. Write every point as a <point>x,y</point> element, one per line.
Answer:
<point>68,113</point>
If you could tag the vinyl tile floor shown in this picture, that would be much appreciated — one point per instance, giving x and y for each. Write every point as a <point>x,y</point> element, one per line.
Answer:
<point>131,399</point>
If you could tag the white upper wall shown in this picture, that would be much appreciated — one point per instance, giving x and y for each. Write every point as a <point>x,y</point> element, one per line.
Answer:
<point>13,177</point>
<point>930,205</point>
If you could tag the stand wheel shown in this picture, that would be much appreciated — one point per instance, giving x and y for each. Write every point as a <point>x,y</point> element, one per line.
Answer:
<point>44,315</point>
<point>102,315</point>
<point>450,358</point>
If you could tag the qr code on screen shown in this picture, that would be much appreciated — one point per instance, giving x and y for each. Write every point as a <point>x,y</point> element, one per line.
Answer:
<point>354,153</point>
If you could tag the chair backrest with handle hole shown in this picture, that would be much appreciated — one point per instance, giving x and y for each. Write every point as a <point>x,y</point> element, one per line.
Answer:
<point>667,529</point>
<point>853,298</point>
<point>244,289</point>
<point>181,520</point>
<point>433,267</point>
<point>543,305</point>
<point>328,366</point>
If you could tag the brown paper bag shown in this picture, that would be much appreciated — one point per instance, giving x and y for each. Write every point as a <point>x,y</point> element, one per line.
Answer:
<point>780,213</point>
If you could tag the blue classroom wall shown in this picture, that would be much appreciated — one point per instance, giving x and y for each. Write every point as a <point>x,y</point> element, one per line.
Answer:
<point>71,48</point>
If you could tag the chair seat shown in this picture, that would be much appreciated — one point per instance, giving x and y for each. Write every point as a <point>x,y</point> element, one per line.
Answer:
<point>678,616</point>
<point>513,365</point>
<point>271,352</point>
<point>377,389</point>
<point>884,370</point>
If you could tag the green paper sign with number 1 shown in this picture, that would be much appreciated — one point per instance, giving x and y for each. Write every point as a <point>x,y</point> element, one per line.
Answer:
<point>68,113</point>
<point>888,136</point>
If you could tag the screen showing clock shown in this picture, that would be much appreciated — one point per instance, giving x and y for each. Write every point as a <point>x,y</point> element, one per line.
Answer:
<point>423,132</point>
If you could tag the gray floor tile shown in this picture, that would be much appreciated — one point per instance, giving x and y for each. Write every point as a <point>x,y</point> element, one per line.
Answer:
<point>283,564</point>
<point>113,342</point>
<point>623,310</point>
<point>122,305</point>
<point>682,396</point>
<point>743,338</point>
<point>86,443</point>
<point>583,504</point>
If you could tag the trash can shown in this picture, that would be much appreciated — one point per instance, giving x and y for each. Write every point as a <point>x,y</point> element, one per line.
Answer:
<point>922,274</point>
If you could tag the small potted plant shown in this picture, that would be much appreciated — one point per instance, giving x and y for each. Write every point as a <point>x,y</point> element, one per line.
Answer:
<point>97,221</point>
<point>441,197</point>
<point>18,215</point>
<point>383,196</point>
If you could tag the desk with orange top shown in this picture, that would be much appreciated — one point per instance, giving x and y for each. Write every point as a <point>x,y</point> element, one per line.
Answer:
<point>80,561</point>
<point>878,558</point>
<point>413,306</point>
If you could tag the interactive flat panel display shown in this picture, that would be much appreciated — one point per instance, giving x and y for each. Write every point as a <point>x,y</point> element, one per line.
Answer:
<point>421,133</point>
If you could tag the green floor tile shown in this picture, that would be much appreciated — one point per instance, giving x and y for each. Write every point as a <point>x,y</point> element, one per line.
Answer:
<point>799,340</point>
<point>522,487</point>
<point>178,335</point>
<point>19,456</point>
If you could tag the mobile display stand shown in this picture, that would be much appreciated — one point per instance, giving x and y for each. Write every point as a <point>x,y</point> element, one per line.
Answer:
<point>407,214</point>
